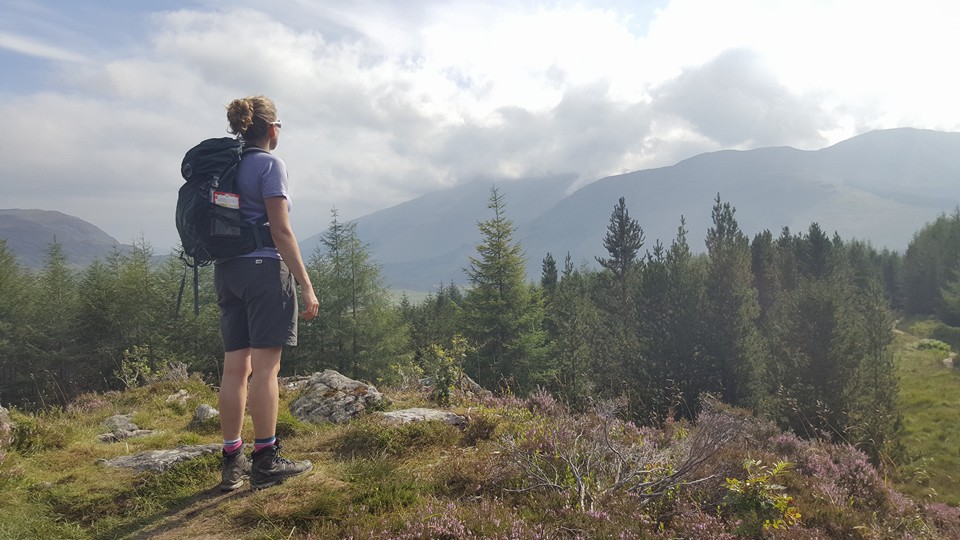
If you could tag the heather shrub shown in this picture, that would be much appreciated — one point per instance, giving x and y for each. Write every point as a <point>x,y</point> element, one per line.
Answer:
<point>542,402</point>
<point>469,472</point>
<point>689,520</point>
<point>944,519</point>
<point>88,403</point>
<point>859,479</point>
<point>481,426</point>
<point>486,519</point>
<point>588,458</point>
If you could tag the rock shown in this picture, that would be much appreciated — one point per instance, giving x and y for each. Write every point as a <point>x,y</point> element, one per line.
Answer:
<point>180,397</point>
<point>407,416</point>
<point>294,382</point>
<point>331,397</point>
<point>6,428</point>
<point>120,422</point>
<point>121,435</point>
<point>121,427</point>
<point>204,413</point>
<point>161,460</point>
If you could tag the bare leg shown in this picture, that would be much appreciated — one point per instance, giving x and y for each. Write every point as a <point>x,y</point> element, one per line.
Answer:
<point>233,392</point>
<point>264,391</point>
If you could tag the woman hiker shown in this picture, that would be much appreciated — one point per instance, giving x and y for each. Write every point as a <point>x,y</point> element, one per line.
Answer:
<point>257,296</point>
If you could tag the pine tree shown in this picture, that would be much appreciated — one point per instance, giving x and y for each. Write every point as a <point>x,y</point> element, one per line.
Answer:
<point>733,345</point>
<point>651,377</point>
<point>623,241</point>
<point>818,348</point>
<point>568,322</point>
<point>619,362</point>
<point>549,277</point>
<point>876,420</point>
<point>929,262</point>
<point>503,316</point>
<point>766,279</point>
<point>685,309</point>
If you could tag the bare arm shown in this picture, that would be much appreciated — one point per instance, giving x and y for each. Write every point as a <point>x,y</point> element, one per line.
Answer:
<point>286,242</point>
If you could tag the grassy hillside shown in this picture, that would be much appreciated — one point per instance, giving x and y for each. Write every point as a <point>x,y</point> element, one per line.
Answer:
<point>523,469</point>
<point>930,397</point>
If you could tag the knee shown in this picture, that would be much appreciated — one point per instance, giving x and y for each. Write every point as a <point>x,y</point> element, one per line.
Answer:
<point>265,370</point>
<point>237,373</point>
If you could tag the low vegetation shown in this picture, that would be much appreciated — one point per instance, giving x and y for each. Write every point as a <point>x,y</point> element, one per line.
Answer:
<point>526,468</point>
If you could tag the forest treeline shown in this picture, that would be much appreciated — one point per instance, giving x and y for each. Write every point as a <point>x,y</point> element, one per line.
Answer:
<point>797,326</point>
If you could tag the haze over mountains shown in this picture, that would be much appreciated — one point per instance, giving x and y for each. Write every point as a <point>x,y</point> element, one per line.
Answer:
<point>29,234</point>
<point>881,187</point>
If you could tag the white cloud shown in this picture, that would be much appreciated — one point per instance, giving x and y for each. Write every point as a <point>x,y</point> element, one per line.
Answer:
<point>384,101</point>
<point>32,47</point>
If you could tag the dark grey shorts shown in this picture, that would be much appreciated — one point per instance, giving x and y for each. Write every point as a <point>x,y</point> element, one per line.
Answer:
<point>258,303</point>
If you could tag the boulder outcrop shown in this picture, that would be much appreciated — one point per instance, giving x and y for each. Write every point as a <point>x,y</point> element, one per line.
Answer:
<point>329,396</point>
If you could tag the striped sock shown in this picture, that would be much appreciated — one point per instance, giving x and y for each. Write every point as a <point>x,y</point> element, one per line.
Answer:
<point>259,444</point>
<point>230,447</point>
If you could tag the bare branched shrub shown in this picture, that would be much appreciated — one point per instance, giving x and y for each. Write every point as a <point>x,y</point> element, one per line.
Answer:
<point>591,456</point>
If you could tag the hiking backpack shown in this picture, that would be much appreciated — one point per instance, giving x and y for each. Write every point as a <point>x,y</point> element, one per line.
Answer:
<point>208,209</point>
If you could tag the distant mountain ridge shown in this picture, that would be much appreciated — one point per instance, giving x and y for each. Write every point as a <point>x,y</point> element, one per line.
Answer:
<point>29,234</point>
<point>881,187</point>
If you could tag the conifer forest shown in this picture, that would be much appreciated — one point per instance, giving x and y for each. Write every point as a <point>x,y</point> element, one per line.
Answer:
<point>796,326</point>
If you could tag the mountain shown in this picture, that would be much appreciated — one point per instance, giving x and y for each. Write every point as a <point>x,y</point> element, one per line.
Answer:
<point>427,240</point>
<point>29,234</point>
<point>880,187</point>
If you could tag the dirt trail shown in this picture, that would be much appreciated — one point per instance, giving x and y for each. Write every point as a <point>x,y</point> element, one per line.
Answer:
<point>195,518</point>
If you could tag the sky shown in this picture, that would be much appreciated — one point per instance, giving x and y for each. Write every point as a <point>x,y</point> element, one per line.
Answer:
<point>384,101</point>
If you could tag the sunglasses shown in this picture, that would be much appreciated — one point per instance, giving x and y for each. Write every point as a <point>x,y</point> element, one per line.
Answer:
<point>277,123</point>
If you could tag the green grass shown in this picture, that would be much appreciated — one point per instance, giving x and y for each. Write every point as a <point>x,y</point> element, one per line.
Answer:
<point>930,398</point>
<point>373,479</point>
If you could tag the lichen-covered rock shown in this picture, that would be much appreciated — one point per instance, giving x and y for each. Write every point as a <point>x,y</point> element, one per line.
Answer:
<point>406,416</point>
<point>162,460</point>
<point>120,422</point>
<point>118,435</point>
<point>180,397</point>
<point>331,397</point>
<point>121,427</point>
<point>205,413</point>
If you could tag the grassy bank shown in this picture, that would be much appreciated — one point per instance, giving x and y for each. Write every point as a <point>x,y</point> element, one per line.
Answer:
<point>930,398</point>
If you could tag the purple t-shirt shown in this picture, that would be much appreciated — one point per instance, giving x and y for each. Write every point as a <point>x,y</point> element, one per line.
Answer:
<point>261,176</point>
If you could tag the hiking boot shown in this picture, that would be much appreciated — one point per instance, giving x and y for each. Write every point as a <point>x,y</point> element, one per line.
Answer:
<point>236,469</point>
<point>270,469</point>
